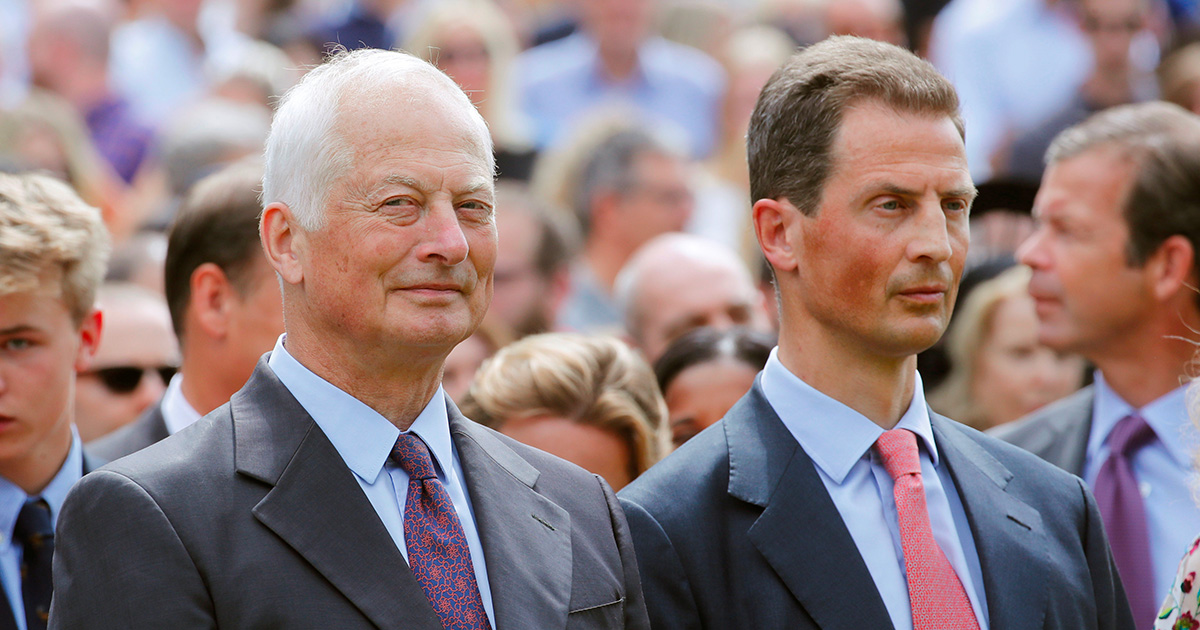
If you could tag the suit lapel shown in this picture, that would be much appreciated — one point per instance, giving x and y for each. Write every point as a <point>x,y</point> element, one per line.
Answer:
<point>1074,440</point>
<point>800,532</point>
<point>317,507</point>
<point>526,537</point>
<point>1007,531</point>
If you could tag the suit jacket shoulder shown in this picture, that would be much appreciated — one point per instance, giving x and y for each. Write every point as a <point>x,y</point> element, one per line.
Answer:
<point>1058,432</point>
<point>149,428</point>
<point>736,530</point>
<point>249,518</point>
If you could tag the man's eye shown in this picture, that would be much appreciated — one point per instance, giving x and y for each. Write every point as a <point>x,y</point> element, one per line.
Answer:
<point>16,344</point>
<point>398,201</point>
<point>955,206</point>
<point>893,204</point>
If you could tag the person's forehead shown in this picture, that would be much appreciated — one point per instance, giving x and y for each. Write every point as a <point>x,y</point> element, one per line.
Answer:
<point>32,306</point>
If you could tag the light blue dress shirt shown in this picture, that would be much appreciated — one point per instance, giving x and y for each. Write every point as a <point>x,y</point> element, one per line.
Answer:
<point>676,89</point>
<point>364,439</point>
<point>839,441</point>
<point>12,499</point>
<point>1163,469</point>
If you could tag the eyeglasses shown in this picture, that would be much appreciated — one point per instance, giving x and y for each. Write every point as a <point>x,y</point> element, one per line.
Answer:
<point>123,379</point>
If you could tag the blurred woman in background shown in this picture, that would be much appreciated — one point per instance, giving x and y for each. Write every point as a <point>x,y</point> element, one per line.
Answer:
<point>474,42</point>
<point>998,370</point>
<point>589,400</point>
<point>704,372</point>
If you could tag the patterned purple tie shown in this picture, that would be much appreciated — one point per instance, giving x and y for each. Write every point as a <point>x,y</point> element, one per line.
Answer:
<point>437,548</point>
<point>1124,514</point>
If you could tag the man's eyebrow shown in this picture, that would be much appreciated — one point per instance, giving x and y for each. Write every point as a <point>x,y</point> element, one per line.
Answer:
<point>17,330</point>
<point>403,180</point>
<point>968,192</point>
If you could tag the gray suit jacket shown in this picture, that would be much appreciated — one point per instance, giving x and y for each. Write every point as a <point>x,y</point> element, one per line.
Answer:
<point>250,519</point>
<point>149,428</point>
<point>1058,432</point>
<point>736,530</point>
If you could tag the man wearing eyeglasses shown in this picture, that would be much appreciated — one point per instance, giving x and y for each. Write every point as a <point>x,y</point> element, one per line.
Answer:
<point>53,250</point>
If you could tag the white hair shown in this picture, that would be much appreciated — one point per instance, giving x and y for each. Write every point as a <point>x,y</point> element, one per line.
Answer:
<point>305,155</point>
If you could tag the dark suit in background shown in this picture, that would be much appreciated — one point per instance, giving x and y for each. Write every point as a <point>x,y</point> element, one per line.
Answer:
<point>1058,432</point>
<point>133,437</point>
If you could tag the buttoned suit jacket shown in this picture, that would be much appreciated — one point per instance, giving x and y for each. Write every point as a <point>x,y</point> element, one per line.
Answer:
<point>150,427</point>
<point>736,530</point>
<point>1058,432</point>
<point>251,519</point>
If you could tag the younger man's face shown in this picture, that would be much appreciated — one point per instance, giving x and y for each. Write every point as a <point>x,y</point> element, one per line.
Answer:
<point>41,348</point>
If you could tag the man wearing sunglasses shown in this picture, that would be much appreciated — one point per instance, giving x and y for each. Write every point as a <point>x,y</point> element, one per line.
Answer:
<point>53,250</point>
<point>137,356</point>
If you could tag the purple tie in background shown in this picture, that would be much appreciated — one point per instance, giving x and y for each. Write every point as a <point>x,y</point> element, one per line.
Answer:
<point>1124,514</point>
<point>437,547</point>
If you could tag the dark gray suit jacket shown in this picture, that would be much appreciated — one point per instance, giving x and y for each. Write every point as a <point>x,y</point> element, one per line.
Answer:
<point>1058,432</point>
<point>736,530</point>
<point>149,428</point>
<point>251,519</point>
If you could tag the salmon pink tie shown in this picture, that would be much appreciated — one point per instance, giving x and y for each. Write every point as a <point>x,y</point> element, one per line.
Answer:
<point>437,548</point>
<point>935,594</point>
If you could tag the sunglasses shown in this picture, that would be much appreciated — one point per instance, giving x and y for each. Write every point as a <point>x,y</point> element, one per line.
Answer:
<point>123,379</point>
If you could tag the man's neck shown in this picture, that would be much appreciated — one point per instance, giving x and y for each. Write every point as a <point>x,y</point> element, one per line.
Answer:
<point>398,388</point>
<point>38,467</point>
<point>605,258</point>
<point>1144,367</point>
<point>880,389</point>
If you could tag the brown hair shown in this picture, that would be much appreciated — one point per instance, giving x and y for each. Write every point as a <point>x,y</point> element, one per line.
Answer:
<point>800,110</point>
<point>593,380</point>
<point>218,223</point>
<point>1162,140</point>
<point>45,226</point>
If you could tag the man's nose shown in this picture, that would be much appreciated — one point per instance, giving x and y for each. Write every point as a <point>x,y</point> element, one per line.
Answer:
<point>931,239</point>
<point>444,238</point>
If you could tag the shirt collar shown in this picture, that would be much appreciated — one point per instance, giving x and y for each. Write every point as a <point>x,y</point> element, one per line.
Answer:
<point>1167,415</point>
<point>177,412</point>
<point>13,498</point>
<point>362,436</point>
<point>832,434</point>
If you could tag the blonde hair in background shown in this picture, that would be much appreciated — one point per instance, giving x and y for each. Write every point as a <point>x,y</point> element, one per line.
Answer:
<point>594,380</point>
<point>499,39</point>
<point>972,325</point>
<point>46,227</point>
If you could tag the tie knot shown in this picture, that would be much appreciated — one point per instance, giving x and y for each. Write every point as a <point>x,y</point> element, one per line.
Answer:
<point>411,455</point>
<point>33,523</point>
<point>1130,434</point>
<point>898,452</point>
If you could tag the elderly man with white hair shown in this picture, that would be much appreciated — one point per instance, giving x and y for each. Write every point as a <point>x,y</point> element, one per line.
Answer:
<point>677,282</point>
<point>341,488</point>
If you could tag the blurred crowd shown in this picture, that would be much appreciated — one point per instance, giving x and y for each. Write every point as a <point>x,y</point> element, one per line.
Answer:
<point>623,196</point>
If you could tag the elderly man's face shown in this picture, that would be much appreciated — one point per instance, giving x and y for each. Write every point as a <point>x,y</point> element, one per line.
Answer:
<point>406,254</point>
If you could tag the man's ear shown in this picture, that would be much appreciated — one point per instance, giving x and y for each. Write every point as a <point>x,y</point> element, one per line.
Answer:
<point>89,339</point>
<point>1171,268</point>
<point>283,241</point>
<point>772,220</point>
<point>210,301</point>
